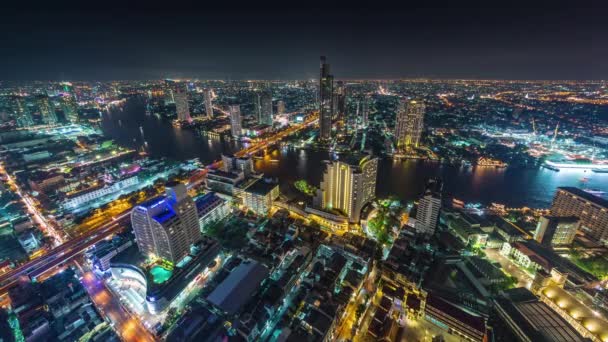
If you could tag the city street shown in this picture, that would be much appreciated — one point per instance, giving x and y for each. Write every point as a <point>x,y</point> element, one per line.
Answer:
<point>523,278</point>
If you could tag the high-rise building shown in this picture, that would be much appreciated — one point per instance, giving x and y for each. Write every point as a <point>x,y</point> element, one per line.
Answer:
<point>429,205</point>
<point>167,226</point>
<point>182,107</point>
<point>47,112</point>
<point>280,107</point>
<point>168,90</point>
<point>365,111</point>
<point>409,124</point>
<point>22,113</point>
<point>265,108</point>
<point>208,102</point>
<point>69,107</point>
<point>556,231</point>
<point>235,120</point>
<point>348,185</point>
<point>339,101</point>
<point>591,210</point>
<point>326,90</point>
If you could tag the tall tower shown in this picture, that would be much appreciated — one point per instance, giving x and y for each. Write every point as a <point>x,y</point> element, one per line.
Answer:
<point>348,185</point>
<point>409,125</point>
<point>429,205</point>
<point>326,85</point>
<point>167,226</point>
<point>181,103</point>
<point>339,101</point>
<point>235,120</point>
<point>208,102</point>
<point>265,108</point>
<point>46,111</point>
<point>365,111</point>
<point>280,107</point>
<point>168,90</point>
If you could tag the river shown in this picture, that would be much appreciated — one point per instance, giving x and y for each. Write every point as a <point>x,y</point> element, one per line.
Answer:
<point>511,186</point>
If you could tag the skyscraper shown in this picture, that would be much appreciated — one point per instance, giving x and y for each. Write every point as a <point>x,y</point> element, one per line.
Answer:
<point>208,102</point>
<point>348,185</point>
<point>235,120</point>
<point>167,226</point>
<point>365,111</point>
<point>556,231</point>
<point>326,89</point>
<point>168,90</point>
<point>409,124</point>
<point>339,101</point>
<point>47,112</point>
<point>182,107</point>
<point>265,108</point>
<point>591,210</point>
<point>429,205</point>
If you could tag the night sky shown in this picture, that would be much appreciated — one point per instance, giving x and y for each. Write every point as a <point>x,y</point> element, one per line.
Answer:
<point>543,40</point>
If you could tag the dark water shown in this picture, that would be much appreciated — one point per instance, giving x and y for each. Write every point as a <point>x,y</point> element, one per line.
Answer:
<point>513,187</point>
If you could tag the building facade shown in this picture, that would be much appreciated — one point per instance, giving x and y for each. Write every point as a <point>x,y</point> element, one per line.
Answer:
<point>265,108</point>
<point>182,107</point>
<point>556,231</point>
<point>429,206</point>
<point>409,124</point>
<point>592,211</point>
<point>326,89</point>
<point>348,185</point>
<point>208,102</point>
<point>168,225</point>
<point>235,120</point>
<point>211,209</point>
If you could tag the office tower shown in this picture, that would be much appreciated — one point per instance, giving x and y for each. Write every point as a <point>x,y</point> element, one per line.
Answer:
<point>236,164</point>
<point>69,107</point>
<point>22,112</point>
<point>47,112</point>
<point>265,108</point>
<point>556,231</point>
<point>339,101</point>
<point>181,103</point>
<point>348,185</point>
<point>280,107</point>
<point>365,111</point>
<point>429,205</point>
<point>409,124</point>
<point>169,92</point>
<point>208,102</point>
<point>167,226</point>
<point>326,85</point>
<point>235,120</point>
<point>591,210</point>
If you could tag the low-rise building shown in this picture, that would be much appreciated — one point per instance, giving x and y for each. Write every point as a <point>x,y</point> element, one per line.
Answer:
<point>259,196</point>
<point>211,208</point>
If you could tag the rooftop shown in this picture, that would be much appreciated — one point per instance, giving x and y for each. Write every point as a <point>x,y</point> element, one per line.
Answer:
<point>261,187</point>
<point>586,196</point>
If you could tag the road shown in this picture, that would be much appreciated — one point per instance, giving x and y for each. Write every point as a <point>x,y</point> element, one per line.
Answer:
<point>128,327</point>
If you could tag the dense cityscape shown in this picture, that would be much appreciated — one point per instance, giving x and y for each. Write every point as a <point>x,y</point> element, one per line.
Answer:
<point>297,172</point>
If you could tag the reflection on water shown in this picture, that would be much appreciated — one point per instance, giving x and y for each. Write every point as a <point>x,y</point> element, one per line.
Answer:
<point>514,187</point>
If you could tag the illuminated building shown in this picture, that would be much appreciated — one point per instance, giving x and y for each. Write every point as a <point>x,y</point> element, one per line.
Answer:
<point>46,111</point>
<point>181,103</point>
<point>348,185</point>
<point>74,200</point>
<point>208,102</point>
<point>556,231</point>
<point>22,113</point>
<point>167,226</point>
<point>591,210</point>
<point>409,124</point>
<point>211,209</point>
<point>365,111</point>
<point>238,164</point>
<point>235,120</point>
<point>265,108</point>
<point>427,214</point>
<point>259,196</point>
<point>68,105</point>
<point>339,101</point>
<point>326,89</point>
<point>454,319</point>
<point>280,107</point>
<point>168,90</point>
